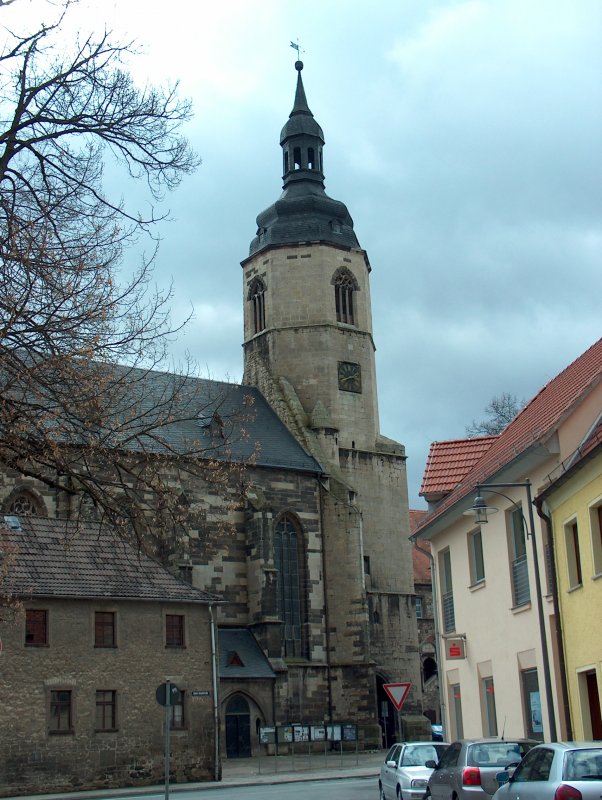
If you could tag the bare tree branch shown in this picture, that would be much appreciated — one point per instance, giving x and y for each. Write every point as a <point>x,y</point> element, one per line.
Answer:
<point>500,411</point>
<point>83,408</point>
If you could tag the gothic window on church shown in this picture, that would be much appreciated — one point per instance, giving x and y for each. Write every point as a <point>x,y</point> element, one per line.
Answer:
<point>310,158</point>
<point>297,157</point>
<point>22,503</point>
<point>289,565</point>
<point>257,298</point>
<point>344,289</point>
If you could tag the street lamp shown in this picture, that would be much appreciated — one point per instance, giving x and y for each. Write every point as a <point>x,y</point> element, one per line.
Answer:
<point>481,512</point>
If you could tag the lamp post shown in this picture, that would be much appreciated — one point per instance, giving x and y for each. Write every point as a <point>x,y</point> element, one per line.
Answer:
<point>481,511</point>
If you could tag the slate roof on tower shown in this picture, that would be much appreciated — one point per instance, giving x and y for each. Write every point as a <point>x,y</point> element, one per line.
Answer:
<point>304,212</point>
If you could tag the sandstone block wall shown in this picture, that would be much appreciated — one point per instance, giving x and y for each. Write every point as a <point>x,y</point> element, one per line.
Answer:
<point>33,759</point>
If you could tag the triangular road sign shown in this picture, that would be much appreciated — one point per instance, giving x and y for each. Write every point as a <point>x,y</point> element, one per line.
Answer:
<point>397,693</point>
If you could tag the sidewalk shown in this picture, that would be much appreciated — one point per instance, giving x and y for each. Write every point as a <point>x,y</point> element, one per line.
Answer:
<point>251,772</point>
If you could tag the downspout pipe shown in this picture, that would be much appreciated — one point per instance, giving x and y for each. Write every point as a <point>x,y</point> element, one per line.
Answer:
<point>539,506</point>
<point>214,678</point>
<point>435,601</point>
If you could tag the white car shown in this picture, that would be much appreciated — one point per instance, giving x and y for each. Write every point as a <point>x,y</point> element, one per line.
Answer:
<point>403,775</point>
<point>556,771</point>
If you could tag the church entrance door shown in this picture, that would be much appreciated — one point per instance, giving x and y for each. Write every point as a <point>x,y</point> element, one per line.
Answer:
<point>238,728</point>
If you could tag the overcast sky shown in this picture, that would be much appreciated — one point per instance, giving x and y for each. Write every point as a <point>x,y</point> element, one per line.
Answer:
<point>465,140</point>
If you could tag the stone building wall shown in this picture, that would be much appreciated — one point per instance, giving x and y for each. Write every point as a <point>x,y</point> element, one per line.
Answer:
<point>32,759</point>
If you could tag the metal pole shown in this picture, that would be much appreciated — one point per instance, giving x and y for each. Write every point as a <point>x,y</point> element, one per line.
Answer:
<point>167,734</point>
<point>214,681</point>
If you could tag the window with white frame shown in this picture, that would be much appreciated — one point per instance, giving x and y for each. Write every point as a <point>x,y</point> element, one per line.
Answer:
<point>488,703</point>
<point>573,554</point>
<point>519,568</point>
<point>447,592</point>
<point>475,557</point>
<point>595,517</point>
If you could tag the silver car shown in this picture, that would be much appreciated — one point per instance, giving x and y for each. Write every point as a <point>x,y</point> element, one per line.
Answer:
<point>403,775</point>
<point>557,771</point>
<point>468,768</point>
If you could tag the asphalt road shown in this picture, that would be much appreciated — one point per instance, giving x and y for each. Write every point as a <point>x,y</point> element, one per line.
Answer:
<point>338,789</point>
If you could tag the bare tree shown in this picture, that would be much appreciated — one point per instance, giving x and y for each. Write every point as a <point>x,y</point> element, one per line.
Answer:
<point>69,416</point>
<point>500,411</point>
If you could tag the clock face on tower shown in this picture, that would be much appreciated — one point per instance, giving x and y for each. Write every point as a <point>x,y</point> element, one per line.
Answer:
<point>350,377</point>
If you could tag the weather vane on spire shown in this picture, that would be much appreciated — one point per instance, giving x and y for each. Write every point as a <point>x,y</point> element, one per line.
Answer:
<point>296,46</point>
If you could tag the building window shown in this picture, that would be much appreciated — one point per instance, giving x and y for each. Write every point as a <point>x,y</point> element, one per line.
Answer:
<point>455,706</point>
<point>257,298</point>
<point>345,286</point>
<point>289,566</point>
<point>532,704</point>
<point>60,711</point>
<point>447,592</point>
<point>419,611</point>
<point>22,503</point>
<point>366,565</point>
<point>573,555</point>
<point>178,720</point>
<point>106,710</point>
<point>488,701</point>
<point>596,529</point>
<point>518,558</point>
<point>174,630</point>
<point>36,627</point>
<point>475,557</point>
<point>104,629</point>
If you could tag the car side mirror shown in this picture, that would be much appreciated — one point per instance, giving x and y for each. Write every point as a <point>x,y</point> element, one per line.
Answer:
<point>502,777</point>
<point>391,763</point>
<point>432,764</point>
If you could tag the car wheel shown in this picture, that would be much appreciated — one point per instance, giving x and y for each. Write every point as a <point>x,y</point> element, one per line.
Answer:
<point>381,792</point>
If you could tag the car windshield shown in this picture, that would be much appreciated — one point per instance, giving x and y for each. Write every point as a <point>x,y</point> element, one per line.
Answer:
<point>583,765</point>
<point>416,755</point>
<point>493,754</point>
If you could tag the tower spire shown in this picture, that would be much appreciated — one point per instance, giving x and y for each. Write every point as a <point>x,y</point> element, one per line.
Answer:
<point>304,212</point>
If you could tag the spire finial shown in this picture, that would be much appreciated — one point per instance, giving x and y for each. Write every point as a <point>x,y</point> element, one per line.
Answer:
<point>298,63</point>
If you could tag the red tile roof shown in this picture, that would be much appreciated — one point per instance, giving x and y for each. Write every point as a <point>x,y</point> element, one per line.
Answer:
<point>421,563</point>
<point>448,462</point>
<point>540,418</point>
<point>416,517</point>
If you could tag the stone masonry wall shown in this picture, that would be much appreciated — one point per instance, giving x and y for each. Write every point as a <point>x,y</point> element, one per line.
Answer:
<point>33,759</point>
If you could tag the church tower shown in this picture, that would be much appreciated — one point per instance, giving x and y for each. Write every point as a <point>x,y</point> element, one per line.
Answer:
<point>307,309</point>
<point>308,346</point>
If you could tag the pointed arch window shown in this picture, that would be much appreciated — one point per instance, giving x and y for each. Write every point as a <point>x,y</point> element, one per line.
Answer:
<point>24,503</point>
<point>289,563</point>
<point>257,298</point>
<point>345,287</point>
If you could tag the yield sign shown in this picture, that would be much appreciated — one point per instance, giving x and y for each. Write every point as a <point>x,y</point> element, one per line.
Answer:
<point>397,693</point>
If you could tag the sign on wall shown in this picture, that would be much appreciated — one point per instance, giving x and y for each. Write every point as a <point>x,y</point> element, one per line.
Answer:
<point>455,648</point>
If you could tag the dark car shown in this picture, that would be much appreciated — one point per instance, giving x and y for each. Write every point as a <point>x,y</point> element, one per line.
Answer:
<point>468,768</point>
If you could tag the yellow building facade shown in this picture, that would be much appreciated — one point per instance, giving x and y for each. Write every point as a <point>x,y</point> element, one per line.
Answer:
<point>574,504</point>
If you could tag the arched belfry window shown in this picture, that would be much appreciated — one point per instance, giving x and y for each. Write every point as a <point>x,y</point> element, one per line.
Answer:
<point>289,563</point>
<point>345,287</point>
<point>257,298</point>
